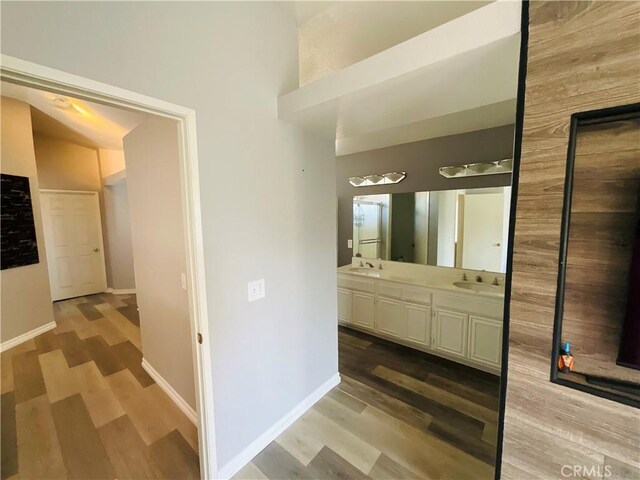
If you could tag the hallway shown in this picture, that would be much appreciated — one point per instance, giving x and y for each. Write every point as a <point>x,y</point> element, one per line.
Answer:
<point>76,402</point>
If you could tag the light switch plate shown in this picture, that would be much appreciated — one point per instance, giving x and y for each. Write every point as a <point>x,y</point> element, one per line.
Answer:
<point>256,290</point>
<point>349,243</point>
<point>183,281</point>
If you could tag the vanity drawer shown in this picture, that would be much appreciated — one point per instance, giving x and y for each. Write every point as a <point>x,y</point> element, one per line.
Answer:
<point>416,294</point>
<point>392,290</point>
<point>356,284</point>
<point>470,303</point>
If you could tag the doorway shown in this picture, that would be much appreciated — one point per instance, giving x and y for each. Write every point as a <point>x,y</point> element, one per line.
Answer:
<point>39,77</point>
<point>74,243</point>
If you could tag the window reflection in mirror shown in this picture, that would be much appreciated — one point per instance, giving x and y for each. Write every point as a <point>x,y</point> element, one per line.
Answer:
<point>450,228</point>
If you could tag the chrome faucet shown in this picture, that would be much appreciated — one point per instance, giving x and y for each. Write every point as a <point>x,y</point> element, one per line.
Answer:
<point>478,279</point>
<point>495,282</point>
<point>464,276</point>
<point>380,266</point>
<point>370,265</point>
<point>361,264</point>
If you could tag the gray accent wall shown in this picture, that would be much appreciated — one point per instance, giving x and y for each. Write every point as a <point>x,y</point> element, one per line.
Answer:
<point>421,161</point>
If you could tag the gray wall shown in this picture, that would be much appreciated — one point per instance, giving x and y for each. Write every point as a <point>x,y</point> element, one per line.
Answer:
<point>229,61</point>
<point>157,233</point>
<point>117,233</point>
<point>421,161</point>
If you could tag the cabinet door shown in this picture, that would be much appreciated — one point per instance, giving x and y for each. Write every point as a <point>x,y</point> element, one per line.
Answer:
<point>363,309</point>
<point>418,323</point>
<point>344,305</point>
<point>485,341</point>
<point>391,316</point>
<point>450,332</point>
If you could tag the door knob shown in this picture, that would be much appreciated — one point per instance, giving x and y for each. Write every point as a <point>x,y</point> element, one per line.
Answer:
<point>96,250</point>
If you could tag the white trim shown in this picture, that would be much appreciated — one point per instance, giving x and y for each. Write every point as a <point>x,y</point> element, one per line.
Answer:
<point>247,454</point>
<point>14,342</point>
<point>180,402</point>
<point>79,192</point>
<point>32,75</point>
<point>121,291</point>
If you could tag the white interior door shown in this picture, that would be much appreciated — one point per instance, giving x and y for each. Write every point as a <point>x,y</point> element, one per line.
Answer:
<point>73,240</point>
<point>482,232</point>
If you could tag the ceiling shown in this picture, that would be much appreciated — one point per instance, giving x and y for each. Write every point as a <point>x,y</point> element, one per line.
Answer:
<point>457,76</point>
<point>77,121</point>
<point>334,35</point>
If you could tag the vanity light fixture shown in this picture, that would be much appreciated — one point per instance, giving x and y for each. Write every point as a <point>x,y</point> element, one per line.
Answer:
<point>377,179</point>
<point>476,169</point>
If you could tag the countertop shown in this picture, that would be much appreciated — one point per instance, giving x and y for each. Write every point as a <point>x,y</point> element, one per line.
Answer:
<point>442,283</point>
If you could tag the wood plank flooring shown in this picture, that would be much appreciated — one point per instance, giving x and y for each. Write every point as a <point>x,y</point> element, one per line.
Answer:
<point>397,414</point>
<point>76,402</point>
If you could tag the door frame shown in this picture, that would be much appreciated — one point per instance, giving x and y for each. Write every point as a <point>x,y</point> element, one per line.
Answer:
<point>21,72</point>
<point>515,177</point>
<point>93,194</point>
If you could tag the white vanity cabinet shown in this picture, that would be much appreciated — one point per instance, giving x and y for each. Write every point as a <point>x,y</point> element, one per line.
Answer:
<point>403,312</point>
<point>485,341</point>
<point>344,305</point>
<point>363,309</point>
<point>418,323</point>
<point>390,316</point>
<point>449,333</point>
<point>460,326</point>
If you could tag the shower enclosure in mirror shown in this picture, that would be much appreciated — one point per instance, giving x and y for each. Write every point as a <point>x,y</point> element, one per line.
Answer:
<point>450,228</point>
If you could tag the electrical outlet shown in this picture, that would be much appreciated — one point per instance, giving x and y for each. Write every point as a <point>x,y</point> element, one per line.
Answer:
<point>256,290</point>
<point>349,243</point>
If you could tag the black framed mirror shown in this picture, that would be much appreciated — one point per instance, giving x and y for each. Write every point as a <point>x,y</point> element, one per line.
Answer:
<point>596,342</point>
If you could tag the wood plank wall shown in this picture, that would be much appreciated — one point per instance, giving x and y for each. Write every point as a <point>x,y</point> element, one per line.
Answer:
<point>582,56</point>
<point>601,237</point>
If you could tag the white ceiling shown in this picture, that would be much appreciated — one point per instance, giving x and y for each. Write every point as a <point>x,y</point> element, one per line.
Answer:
<point>85,123</point>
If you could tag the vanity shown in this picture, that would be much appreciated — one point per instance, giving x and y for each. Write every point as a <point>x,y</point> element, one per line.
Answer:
<point>433,311</point>
<point>427,271</point>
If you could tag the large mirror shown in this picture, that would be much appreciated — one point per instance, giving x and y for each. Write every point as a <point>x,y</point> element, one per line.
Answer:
<point>450,228</point>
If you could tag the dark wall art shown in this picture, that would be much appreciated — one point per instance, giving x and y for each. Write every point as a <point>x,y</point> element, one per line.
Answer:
<point>18,230</point>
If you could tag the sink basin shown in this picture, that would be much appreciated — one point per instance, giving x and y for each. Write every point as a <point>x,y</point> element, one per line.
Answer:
<point>369,272</point>
<point>479,287</point>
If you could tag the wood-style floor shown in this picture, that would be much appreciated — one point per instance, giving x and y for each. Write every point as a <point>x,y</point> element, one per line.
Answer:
<point>397,414</point>
<point>77,404</point>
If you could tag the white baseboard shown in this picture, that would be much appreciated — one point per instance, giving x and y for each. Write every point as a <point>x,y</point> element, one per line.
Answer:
<point>244,457</point>
<point>171,393</point>
<point>14,342</point>
<point>121,291</point>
